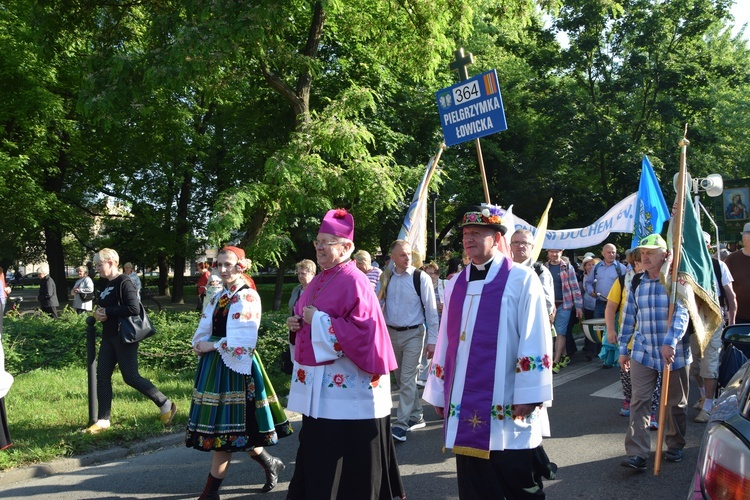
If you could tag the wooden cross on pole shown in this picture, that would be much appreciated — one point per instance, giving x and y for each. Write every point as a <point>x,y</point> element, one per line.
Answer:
<point>462,61</point>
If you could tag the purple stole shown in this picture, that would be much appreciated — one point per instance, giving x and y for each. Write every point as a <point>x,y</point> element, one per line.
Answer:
<point>475,413</point>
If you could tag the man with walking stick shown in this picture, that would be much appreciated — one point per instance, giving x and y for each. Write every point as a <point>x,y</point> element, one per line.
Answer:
<point>657,343</point>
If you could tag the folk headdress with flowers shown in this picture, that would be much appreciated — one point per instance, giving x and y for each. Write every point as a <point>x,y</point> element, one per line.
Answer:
<point>486,215</point>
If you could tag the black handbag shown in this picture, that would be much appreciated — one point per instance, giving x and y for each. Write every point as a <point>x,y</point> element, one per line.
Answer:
<point>136,328</point>
<point>85,297</point>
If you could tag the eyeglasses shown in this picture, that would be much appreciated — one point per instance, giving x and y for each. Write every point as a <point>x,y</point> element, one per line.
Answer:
<point>303,273</point>
<point>521,244</point>
<point>320,244</point>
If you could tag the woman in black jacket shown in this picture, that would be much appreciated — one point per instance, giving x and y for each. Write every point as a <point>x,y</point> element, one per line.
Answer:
<point>119,299</point>
<point>47,292</point>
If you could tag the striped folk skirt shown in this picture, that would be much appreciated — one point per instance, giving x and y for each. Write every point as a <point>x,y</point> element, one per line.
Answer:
<point>231,411</point>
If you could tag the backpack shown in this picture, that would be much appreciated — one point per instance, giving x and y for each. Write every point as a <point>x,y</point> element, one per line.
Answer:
<point>620,276</point>
<point>717,272</point>
<point>417,287</point>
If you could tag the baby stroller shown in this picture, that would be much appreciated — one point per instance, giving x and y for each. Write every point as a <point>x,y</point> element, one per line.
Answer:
<point>733,354</point>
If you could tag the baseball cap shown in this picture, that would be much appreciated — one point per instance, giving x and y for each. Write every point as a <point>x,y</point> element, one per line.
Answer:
<point>706,238</point>
<point>746,229</point>
<point>653,241</point>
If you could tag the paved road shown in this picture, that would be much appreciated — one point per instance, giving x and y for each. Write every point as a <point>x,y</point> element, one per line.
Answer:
<point>587,445</point>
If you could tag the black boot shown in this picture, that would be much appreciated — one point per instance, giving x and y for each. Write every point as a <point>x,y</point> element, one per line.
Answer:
<point>272,466</point>
<point>211,491</point>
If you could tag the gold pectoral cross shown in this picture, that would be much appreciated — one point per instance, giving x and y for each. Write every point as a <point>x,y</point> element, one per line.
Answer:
<point>468,315</point>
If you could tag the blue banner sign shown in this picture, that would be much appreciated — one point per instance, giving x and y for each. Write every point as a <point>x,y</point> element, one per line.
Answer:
<point>471,109</point>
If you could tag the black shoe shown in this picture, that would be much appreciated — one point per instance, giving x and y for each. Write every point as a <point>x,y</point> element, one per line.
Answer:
<point>399,434</point>
<point>634,462</point>
<point>589,356</point>
<point>673,455</point>
<point>272,466</point>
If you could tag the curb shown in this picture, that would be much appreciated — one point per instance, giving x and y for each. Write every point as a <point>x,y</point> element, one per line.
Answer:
<point>64,465</point>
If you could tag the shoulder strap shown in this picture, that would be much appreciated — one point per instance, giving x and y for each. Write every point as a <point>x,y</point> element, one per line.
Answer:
<point>636,281</point>
<point>717,273</point>
<point>417,282</point>
<point>537,267</point>
<point>418,287</point>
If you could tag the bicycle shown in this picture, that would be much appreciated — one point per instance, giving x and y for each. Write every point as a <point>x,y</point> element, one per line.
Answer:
<point>148,299</point>
<point>15,306</point>
<point>16,311</point>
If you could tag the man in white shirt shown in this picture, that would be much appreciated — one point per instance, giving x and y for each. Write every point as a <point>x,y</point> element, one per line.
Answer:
<point>406,310</point>
<point>705,369</point>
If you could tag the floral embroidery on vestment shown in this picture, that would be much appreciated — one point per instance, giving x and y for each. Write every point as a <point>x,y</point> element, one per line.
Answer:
<point>300,376</point>
<point>438,371</point>
<point>339,380</point>
<point>454,410</point>
<point>498,412</point>
<point>335,343</point>
<point>531,363</point>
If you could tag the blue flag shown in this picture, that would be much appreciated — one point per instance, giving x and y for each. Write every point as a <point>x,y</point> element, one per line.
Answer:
<point>651,211</point>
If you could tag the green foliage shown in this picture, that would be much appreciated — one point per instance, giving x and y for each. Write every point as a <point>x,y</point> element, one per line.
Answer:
<point>132,125</point>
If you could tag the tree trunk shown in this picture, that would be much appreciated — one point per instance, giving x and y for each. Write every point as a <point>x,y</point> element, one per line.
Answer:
<point>279,289</point>
<point>53,246</point>
<point>182,233</point>
<point>164,275</point>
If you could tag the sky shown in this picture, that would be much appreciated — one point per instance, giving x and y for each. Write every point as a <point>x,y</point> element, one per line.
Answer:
<point>741,13</point>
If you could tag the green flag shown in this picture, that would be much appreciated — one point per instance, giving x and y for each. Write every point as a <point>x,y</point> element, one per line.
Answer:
<point>696,285</point>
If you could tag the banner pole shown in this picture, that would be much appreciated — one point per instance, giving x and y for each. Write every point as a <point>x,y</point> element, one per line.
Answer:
<point>677,255</point>
<point>480,158</point>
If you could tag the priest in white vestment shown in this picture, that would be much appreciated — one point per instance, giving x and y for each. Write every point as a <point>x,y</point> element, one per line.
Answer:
<point>491,375</point>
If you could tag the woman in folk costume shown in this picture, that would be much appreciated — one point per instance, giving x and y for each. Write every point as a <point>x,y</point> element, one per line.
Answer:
<point>341,379</point>
<point>491,374</point>
<point>234,406</point>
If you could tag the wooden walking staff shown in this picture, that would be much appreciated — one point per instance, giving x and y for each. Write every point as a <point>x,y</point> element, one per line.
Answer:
<point>676,256</point>
<point>459,65</point>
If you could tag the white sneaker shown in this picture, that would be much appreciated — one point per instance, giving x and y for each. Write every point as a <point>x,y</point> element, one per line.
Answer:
<point>703,417</point>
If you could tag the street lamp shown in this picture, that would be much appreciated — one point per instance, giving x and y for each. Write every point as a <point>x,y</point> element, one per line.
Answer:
<point>713,186</point>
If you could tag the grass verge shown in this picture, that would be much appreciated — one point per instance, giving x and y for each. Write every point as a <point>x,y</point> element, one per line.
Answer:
<point>47,406</point>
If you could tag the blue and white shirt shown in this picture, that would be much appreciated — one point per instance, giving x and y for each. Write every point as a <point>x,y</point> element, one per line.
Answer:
<point>648,308</point>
